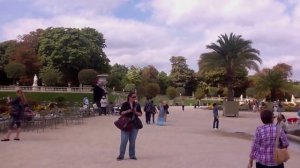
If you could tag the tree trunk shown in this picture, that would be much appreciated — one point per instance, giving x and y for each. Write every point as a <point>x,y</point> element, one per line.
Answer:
<point>230,96</point>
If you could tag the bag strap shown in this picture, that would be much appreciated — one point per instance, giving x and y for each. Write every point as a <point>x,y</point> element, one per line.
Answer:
<point>278,130</point>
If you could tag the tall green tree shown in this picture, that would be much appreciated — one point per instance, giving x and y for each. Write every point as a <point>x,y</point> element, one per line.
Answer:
<point>14,70</point>
<point>180,73</point>
<point>231,53</point>
<point>71,50</point>
<point>134,76</point>
<point>6,49</point>
<point>117,76</point>
<point>163,81</point>
<point>149,74</point>
<point>270,82</point>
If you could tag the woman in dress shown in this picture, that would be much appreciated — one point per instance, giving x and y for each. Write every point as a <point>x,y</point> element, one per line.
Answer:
<point>161,114</point>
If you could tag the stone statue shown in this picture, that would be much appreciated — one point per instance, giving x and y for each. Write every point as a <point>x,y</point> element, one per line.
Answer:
<point>35,79</point>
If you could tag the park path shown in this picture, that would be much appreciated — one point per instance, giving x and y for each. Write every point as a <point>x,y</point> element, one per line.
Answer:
<point>187,140</point>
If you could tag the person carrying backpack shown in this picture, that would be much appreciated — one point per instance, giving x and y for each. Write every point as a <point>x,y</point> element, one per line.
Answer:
<point>147,110</point>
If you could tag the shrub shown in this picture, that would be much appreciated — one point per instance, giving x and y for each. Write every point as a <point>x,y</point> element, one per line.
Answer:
<point>87,76</point>
<point>50,75</point>
<point>200,93</point>
<point>152,89</point>
<point>171,92</point>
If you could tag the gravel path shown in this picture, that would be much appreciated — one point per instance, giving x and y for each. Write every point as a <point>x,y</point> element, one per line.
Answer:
<point>186,141</point>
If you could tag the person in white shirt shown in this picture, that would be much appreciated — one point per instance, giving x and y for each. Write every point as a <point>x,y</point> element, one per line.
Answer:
<point>103,103</point>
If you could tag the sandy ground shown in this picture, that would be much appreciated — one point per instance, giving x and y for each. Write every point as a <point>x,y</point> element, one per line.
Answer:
<point>186,141</point>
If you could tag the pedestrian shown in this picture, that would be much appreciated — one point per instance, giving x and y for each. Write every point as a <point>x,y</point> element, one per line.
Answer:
<point>147,110</point>
<point>153,111</point>
<point>103,103</point>
<point>263,147</point>
<point>161,114</point>
<point>130,109</point>
<point>98,93</point>
<point>216,116</point>
<point>16,114</point>
<point>166,108</point>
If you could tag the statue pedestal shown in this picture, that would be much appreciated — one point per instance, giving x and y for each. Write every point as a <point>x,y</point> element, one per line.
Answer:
<point>35,88</point>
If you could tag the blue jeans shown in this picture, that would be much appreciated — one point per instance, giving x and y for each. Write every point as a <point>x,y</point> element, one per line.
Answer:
<point>131,136</point>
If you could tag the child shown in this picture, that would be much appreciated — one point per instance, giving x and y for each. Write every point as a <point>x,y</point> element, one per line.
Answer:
<point>216,116</point>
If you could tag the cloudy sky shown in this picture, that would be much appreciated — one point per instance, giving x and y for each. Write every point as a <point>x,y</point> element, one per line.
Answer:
<point>149,32</point>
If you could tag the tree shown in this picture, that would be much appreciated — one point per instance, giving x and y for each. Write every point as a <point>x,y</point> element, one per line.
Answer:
<point>270,82</point>
<point>117,76</point>
<point>87,76</point>
<point>285,69</point>
<point>231,53</point>
<point>26,52</point>
<point>149,74</point>
<point>133,76</point>
<point>163,81</point>
<point>130,87</point>
<point>71,50</point>
<point>180,73</point>
<point>6,49</point>
<point>152,89</point>
<point>200,93</point>
<point>50,75</point>
<point>14,70</point>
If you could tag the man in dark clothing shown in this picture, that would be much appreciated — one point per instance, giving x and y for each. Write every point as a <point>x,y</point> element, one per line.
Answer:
<point>98,93</point>
<point>147,109</point>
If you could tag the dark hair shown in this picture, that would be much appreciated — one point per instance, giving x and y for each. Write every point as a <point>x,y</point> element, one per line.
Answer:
<point>130,94</point>
<point>266,116</point>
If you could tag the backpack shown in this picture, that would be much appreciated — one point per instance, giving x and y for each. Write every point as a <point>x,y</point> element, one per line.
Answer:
<point>147,107</point>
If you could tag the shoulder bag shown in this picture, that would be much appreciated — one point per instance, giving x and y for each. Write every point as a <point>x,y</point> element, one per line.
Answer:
<point>280,155</point>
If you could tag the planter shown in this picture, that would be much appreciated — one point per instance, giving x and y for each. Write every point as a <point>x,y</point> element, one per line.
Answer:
<point>230,109</point>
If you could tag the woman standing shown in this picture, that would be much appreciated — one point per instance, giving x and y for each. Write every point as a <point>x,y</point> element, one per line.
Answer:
<point>161,114</point>
<point>17,111</point>
<point>130,109</point>
<point>264,142</point>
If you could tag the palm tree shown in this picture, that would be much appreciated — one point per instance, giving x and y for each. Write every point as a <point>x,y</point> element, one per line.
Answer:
<point>270,82</point>
<point>231,53</point>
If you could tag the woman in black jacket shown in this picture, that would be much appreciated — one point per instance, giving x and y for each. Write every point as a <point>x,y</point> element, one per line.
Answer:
<point>130,109</point>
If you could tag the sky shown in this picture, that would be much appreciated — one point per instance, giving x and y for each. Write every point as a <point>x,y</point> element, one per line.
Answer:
<point>149,32</point>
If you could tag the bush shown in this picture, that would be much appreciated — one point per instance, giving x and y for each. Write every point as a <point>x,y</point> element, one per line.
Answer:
<point>130,87</point>
<point>50,76</point>
<point>171,92</point>
<point>14,70</point>
<point>213,91</point>
<point>200,93</point>
<point>152,89</point>
<point>87,76</point>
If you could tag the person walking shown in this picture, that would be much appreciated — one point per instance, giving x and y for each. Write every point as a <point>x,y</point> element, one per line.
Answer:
<point>130,109</point>
<point>263,147</point>
<point>147,110</point>
<point>216,116</point>
<point>153,111</point>
<point>16,115</point>
<point>98,93</point>
<point>103,103</point>
<point>161,114</point>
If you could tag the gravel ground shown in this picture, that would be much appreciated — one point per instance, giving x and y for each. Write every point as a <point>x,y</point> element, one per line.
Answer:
<point>186,141</point>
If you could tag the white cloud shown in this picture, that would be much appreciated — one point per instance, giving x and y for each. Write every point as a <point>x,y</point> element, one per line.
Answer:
<point>176,27</point>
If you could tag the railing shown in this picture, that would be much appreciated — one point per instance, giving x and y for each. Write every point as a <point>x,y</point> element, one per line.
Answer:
<point>47,89</point>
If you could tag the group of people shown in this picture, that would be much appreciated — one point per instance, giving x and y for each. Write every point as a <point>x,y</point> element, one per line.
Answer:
<point>151,110</point>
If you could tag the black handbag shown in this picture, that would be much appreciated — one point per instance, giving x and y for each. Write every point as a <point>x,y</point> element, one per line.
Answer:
<point>137,123</point>
<point>124,123</point>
